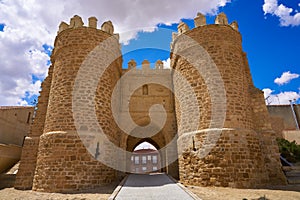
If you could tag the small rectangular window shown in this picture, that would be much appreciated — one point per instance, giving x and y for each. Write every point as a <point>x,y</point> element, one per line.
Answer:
<point>144,168</point>
<point>154,159</point>
<point>154,168</point>
<point>144,159</point>
<point>136,160</point>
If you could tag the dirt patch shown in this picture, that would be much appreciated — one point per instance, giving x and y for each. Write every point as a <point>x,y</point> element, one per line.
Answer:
<point>7,192</point>
<point>290,192</point>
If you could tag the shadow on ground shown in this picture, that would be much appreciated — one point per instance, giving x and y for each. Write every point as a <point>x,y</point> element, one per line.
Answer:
<point>7,180</point>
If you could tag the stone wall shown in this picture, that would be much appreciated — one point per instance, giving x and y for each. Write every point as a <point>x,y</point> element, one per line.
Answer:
<point>283,121</point>
<point>239,158</point>
<point>14,124</point>
<point>292,136</point>
<point>77,98</point>
<point>285,113</point>
<point>27,166</point>
<point>235,161</point>
<point>75,168</point>
<point>140,102</point>
<point>14,127</point>
<point>267,137</point>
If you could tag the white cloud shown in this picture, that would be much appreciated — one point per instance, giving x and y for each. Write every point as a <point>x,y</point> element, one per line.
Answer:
<point>267,92</point>
<point>167,63</point>
<point>281,98</point>
<point>32,23</point>
<point>285,78</point>
<point>286,15</point>
<point>23,103</point>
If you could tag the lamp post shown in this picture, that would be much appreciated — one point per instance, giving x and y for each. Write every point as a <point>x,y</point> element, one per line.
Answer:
<point>294,114</point>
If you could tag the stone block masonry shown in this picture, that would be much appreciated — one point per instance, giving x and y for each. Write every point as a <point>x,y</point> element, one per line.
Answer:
<point>54,158</point>
<point>246,154</point>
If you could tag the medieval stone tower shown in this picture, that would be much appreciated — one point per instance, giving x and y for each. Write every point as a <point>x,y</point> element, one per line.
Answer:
<point>232,145</point>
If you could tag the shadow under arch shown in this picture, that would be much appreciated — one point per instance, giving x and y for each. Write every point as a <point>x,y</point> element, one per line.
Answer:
<point>157,140</point>
<point>160,140</point>
<point>130,142</point>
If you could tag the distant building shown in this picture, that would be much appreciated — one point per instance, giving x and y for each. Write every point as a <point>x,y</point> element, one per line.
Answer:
<point>285,121</point>
<point>145,161</point>
<point>15,124</point>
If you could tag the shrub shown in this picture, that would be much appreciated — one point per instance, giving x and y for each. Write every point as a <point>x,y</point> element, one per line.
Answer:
<point>289,150</point>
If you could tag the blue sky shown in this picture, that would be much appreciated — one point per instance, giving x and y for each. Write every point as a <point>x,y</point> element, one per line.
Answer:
<point>270,38</point>
<point>272,49</point>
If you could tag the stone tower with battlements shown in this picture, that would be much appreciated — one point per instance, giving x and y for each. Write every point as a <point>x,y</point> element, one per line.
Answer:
<point>245,153</point>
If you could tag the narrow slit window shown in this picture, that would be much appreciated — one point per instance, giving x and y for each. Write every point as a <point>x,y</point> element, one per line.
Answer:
<point>145,89</point>
<point>28,118</point>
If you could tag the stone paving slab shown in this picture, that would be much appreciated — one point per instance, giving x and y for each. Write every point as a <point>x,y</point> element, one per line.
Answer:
<point>151,187</point>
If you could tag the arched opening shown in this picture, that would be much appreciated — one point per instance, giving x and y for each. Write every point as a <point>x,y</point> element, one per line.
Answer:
<point>145,157</point>
<point>145,145</point>
<point>159,141</point>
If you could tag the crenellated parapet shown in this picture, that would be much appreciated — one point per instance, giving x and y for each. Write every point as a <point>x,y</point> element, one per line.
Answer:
<point>182,28</point>
<point>108,27</point>
<point>77,29</point>
<point>221,19</point>
<point>200,22</point>
<point>146,66</point>
<point>131,64</point>
<point>159,64</point>
<point>93,22</point>
<point>235,25</point>
<point>76,22</point>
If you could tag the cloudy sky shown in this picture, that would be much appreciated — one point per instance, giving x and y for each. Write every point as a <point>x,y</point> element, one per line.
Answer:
<point>270,31</point>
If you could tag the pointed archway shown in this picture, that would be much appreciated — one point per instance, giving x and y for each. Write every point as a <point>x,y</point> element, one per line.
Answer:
<point>145,158</point>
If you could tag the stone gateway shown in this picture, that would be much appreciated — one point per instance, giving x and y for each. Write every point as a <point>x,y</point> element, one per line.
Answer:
<point>210,107</point>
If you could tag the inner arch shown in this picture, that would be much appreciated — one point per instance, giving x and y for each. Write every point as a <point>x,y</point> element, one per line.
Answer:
<point>145,157</point>
<point>145,145</point>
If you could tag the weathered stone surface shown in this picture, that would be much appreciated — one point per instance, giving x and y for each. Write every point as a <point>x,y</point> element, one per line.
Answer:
<point>74,169</point>
<point>200,20</point>
<point>246,155</point>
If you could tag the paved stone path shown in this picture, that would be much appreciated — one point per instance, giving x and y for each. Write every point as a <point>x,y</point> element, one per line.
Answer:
<point>153,186</point>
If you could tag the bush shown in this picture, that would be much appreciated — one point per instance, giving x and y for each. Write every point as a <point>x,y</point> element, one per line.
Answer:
<point>289,150</point>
